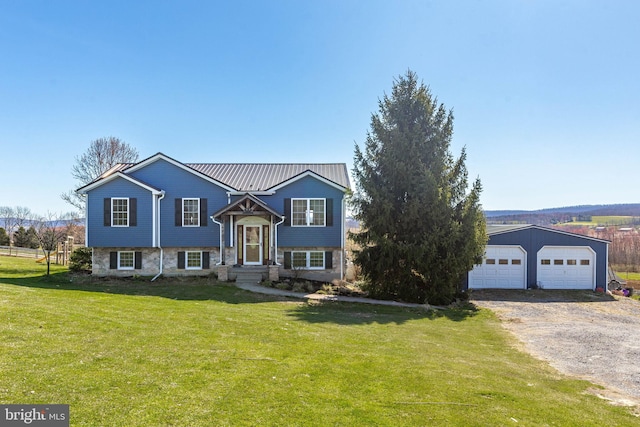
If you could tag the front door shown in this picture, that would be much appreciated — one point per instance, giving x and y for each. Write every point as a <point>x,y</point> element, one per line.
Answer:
<point>253,244</point>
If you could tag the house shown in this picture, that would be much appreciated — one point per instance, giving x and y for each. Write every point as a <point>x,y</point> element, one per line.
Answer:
<point>161,216</point>
<point>527,256</point>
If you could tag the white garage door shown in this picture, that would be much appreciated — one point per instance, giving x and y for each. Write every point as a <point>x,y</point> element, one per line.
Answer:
<point>503,267</point>
<point>566,267</point>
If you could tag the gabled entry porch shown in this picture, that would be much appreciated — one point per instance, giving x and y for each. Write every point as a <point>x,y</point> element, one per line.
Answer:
<point>248,234</point>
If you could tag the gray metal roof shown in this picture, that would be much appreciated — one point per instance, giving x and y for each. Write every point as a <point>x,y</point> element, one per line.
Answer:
<point>500,228</point>
<point>263,176</point>
<point>259,176</point>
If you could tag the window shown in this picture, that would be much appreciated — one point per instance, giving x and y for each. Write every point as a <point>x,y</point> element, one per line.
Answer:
<point>503,261</point>
<point>190,212</point>
<point>516,262</point>
<point>545,262</point>
<point>308,212</point>
<point>194,260</point>
<point>571,262</point>
<point>126,260</point>
<point>299,259</point>
<point>584,262</point>
<point>558,262</point>
<point>308,260</point>
<point>119,212</point>
<point>491,261</point>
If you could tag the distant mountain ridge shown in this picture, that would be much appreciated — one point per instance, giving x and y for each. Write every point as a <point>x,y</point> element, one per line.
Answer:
<point>561,214</point>
<point>623,209</point>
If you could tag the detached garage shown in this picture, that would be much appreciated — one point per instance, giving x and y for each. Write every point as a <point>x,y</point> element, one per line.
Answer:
<point>524,256</point>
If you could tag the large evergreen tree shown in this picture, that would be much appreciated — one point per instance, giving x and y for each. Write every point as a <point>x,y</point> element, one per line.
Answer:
<point>421,230</point>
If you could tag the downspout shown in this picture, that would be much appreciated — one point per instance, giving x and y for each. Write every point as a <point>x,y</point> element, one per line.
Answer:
<point>342,240</point>
<point>159,245</point>
<point>221,237</point>
<point>275,240</point>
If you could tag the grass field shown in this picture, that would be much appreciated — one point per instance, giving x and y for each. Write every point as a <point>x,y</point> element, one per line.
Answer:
<point>606,221</point>
<point>200,353</point>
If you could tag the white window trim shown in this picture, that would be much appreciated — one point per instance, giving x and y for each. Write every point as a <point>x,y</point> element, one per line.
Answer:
<point>308,260</point>
<point>113,211</point>
<point>308,211</point>
<point>197,211</point>
<point>186,260</point>
<point>120,267</point>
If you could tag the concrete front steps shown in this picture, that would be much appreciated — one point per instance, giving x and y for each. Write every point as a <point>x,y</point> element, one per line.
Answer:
<point>249,275</point>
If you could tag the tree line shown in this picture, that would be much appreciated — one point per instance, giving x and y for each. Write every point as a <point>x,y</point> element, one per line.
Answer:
<point>22,228</point>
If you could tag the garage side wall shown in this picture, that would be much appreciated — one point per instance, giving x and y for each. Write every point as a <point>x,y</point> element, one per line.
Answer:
<point>533,239</point>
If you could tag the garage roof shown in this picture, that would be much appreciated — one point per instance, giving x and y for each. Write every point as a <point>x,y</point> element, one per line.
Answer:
<point>494,229</point>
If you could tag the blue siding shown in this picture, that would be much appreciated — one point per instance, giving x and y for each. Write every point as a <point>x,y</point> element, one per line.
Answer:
<point>533,239</point>
<point>308,187</point>
<point>101,236</point>
<point>178,183</point>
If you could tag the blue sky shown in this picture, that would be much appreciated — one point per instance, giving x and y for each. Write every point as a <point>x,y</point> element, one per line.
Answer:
<point>545,94</point>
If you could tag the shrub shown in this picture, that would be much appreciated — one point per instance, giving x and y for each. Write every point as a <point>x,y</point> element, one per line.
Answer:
<point>283,286</point>
<point>298,287</point>
<point>80,260</point>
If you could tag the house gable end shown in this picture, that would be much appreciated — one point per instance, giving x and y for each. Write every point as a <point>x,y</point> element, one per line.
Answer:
<point>308,173</point>
<point>161,157</point>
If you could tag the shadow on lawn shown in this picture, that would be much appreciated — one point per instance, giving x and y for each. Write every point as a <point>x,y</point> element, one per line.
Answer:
<point>178,288</point>
<point>539,295</point>
<point>208,288</point>
<point>362,314</point>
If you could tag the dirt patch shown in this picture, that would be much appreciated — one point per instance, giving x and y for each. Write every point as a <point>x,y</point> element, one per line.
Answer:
<point>581,333</point>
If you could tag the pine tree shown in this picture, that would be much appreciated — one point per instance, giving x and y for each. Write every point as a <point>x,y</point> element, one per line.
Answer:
<point>32,238</point>
<point>20,238</point>
<point>4,237</point>
<point>421,231</point>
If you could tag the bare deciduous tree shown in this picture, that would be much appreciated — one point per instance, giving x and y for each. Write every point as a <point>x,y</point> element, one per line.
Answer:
<point>52,229</point>
<point>102,155</point>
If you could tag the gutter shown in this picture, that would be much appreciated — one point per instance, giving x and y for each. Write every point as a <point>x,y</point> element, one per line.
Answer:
<point>159,245</point>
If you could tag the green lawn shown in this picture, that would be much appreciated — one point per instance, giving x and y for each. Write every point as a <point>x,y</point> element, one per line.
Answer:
<point>200,353</point>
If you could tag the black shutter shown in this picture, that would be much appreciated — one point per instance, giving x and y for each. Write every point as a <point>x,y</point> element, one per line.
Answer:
<point>287,260</point>
<point>287,212</point>
<point>203,213</point>
<point>329,212</point>
<point>181,260</point>
<point>328,260</point>
<point>133,212</point>
<point>113,260</point>
<point>137,260</point>
<point>178,212</point>
<point>206,256</point>
<point>107,212</point>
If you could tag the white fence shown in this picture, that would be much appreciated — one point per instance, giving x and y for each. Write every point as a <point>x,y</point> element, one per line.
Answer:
<point>22,252</point>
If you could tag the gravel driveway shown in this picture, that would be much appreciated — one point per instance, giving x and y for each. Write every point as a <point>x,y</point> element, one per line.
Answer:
<point>591,336</point>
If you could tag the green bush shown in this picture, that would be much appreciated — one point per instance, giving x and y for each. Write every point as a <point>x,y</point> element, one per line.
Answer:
<point>80,260</point>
